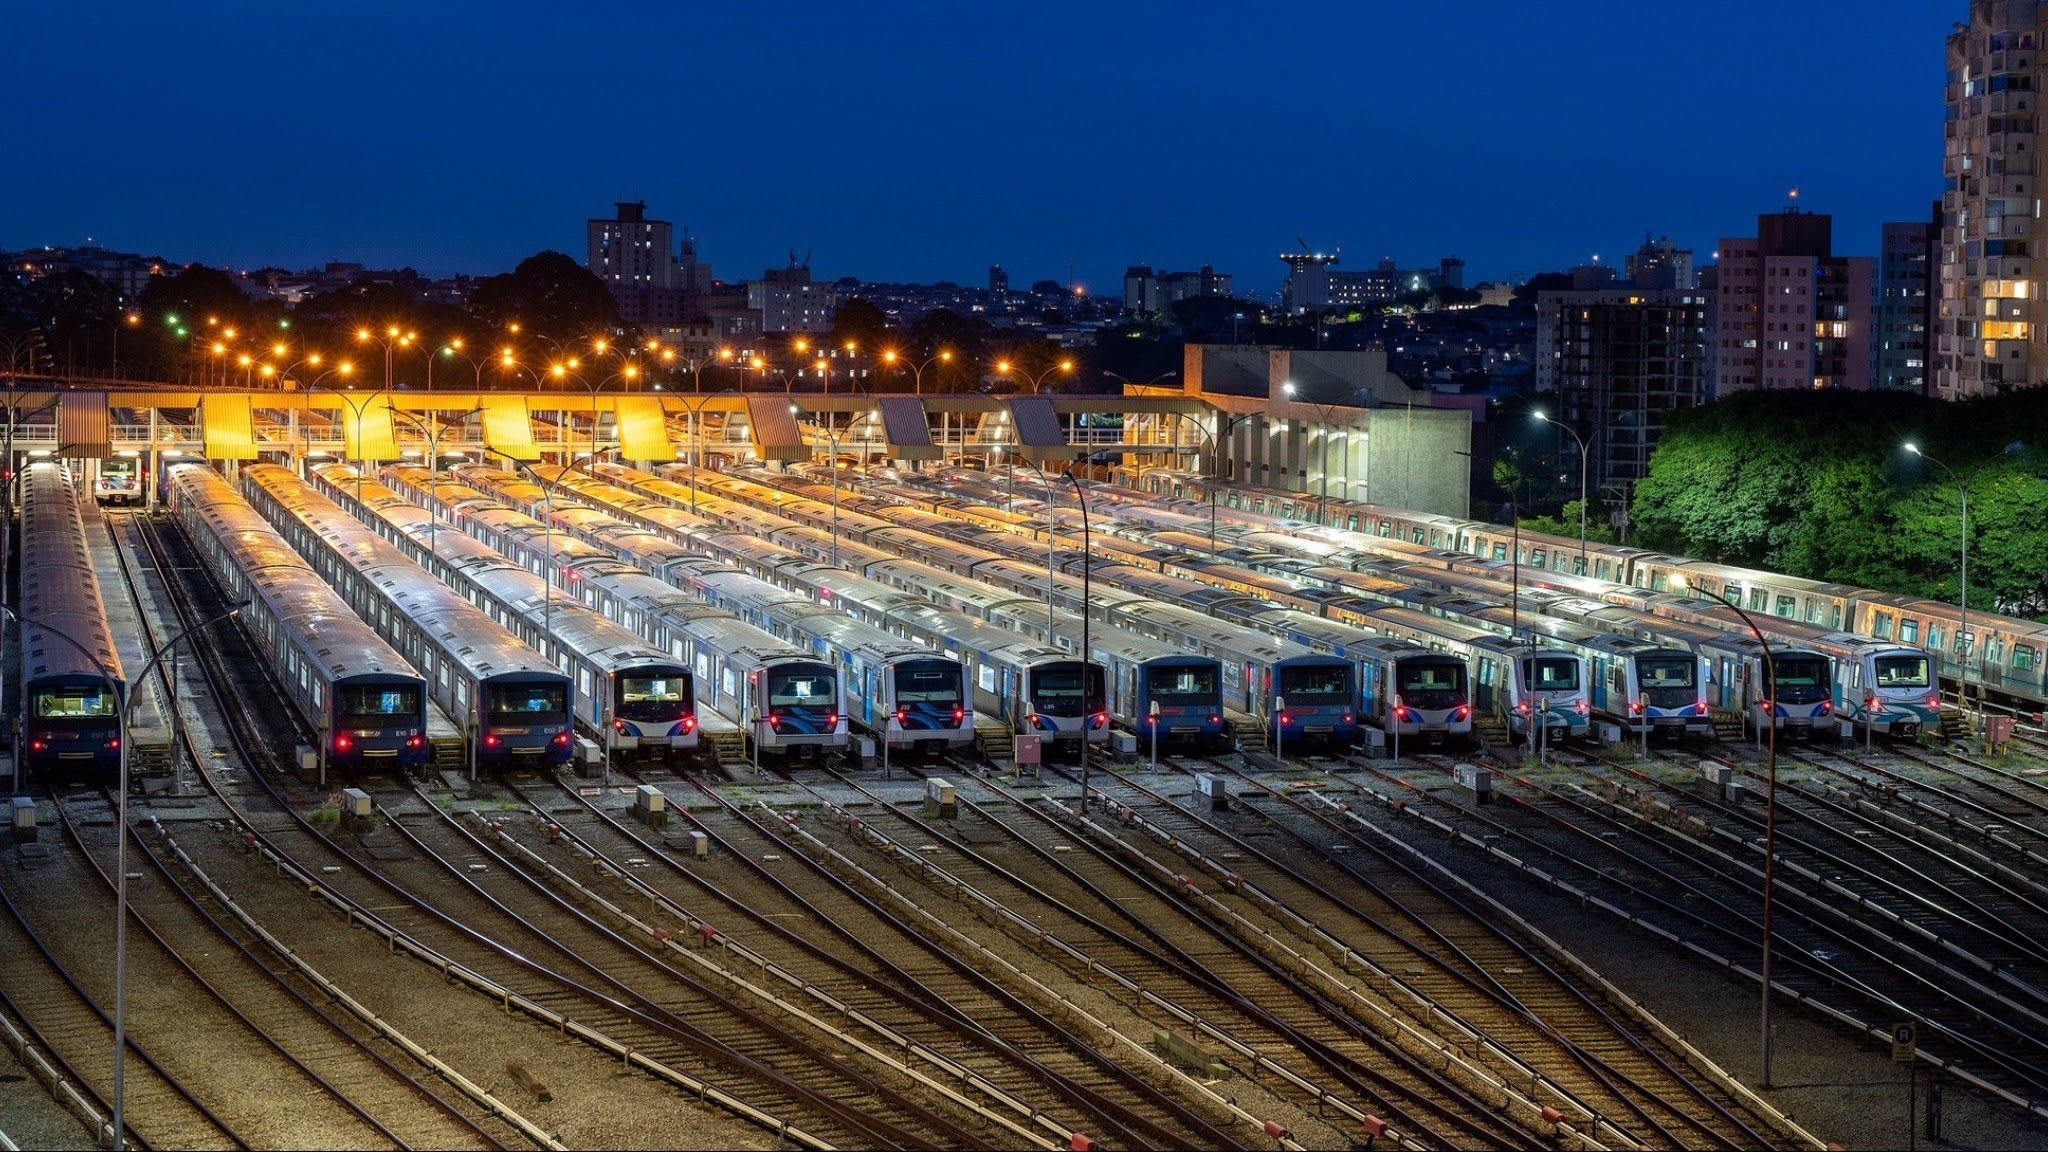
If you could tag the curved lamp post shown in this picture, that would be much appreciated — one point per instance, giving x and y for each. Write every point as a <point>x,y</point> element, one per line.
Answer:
<point>892,358</point>
<point>1585,455</point>
<point>1004,367</point>
<point>123,705</point>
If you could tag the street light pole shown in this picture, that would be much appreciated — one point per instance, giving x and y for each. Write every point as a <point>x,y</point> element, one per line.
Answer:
<point>1583,498</point>
<point>1962,602</point>
<point>1770,829</point>
<point>1086,590</point>
<point>832,438</point>
<point>122,707</point>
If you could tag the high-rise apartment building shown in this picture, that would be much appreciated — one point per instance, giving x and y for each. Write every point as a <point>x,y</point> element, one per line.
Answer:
<point>1661,263</point>
<point>1620,361</point>
<point>789,301</point>
<point>631,251</point>
<point>1992,265</point>
<point>1150,293</point>
<point>1904,305</point>
<point>1788,313</point>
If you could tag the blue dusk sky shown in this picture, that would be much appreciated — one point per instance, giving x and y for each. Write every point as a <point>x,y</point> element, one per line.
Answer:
<point>926,141</point>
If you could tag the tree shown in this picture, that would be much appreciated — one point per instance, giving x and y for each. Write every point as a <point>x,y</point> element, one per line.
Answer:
<point>943,329</point>
<point>547,295</point>
<point>860,323</point>
<point>181,314</point>
<point>1047,288</point>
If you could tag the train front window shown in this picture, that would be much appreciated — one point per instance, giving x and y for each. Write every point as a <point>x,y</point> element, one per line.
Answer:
<point>1802,680</point>
<point>653,697</point>
<point>1057,691</point>
<point>1902,672</point>
<point>792,689</point>
<point>1667,673</point>
<point>928,685</point>
<point>75,704</point>
<point>528,703</point>
<point>1554,675</point>
<point>1314,683</point>
<point>1192,685</point>
<point>379,701</point>
<point>1431,685</point>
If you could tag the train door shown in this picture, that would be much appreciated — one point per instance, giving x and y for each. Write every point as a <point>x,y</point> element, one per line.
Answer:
<point>1483,696</point>
<point>1258,690</point>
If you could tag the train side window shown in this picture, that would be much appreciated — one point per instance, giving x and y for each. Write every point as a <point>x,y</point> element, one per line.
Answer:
<point>1788,607</point>
<point>1909,631</point>
<point>2024,657</point>
<point>1934,635</point>
<point>1964,642</point>
<point>1500,551</point>
<point>1994,649</point>
<point>1705,588</point>
<point>1657,582</point>
<point>1578,565</point>
<point>1537,557</point>
<point>1881,626</point>
<point>1758,598</point>
<point>1813,611</point>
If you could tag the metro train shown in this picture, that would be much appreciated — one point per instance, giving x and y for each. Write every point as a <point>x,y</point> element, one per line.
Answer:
<point>1246,659</point>
<point>72,682</point>
<point>629,697</point>
<point>367,707</point>
<point>904,693</point>
<point>2006,655</point>
<point>513,706</point>
<point>1032,688</point>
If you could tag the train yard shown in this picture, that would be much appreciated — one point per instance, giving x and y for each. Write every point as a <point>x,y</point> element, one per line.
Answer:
<point>575,928</point>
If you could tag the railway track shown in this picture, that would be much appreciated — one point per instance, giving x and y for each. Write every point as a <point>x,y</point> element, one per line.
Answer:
<point>926,1004</point>
<point>605,1018</point>
<point>1432,957</point>
<point>45,990</point>
<point>1695,881</point>
<point>1115,927</point>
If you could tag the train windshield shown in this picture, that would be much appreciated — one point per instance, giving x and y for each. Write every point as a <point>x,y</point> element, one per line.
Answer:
<point>1194,684</point>
<point>815,688</point>
<point>1310,683</point>
<point>654,697</point>
<point>928,684</point>
<point>373,701</point>
<point>1801,679</point>
<point>528,703</point>
<point>1431,685</point>
<point>1056,691</point>
<point>1553,674</point>
<point>1668,673</point>
<point>81,703</point>
<point>1902,672</point>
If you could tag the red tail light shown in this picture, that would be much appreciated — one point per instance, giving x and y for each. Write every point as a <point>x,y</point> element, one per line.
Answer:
<point>1212,719</point>
<point>114,743</point>
<point>37,746</point>
<point>1827,706</point>
<point>1400,712</point>
<point>774,722</point>
<point>619,726</point>
<point>903,716</point>
<point>342,742</point>
<point>959,714</point>
<point>1348,718</point>
<point>491,740</point>
<point>832,719</point>
<point>1523,707</point>
<point>1934,701</point>
<point>562,738</point>
<point>1582,708</point>
<point>1700,707</point>
<point>1463,711</point>
<point>415,742</point>
<point>1285,719</point>
<point>1635,707</point>
<point>689,724</point>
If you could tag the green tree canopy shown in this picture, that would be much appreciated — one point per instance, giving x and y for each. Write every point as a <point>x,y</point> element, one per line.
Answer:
<point>1819,485</point>
<point>548,295</point>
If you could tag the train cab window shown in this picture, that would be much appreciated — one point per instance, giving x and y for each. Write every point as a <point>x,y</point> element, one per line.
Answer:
<point>81,703</point>
<point>1881,626</point>
<point>514,703</point>
<point>1902,672</point>
<point>379,700</point>
<point>1554,675</point>
<point>1909,631</point>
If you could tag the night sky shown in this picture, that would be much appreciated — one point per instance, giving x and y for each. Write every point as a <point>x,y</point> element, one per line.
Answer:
<point>925,141</point>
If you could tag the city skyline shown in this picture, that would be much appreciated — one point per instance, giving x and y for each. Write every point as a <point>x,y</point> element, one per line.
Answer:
<point>919,144</point>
